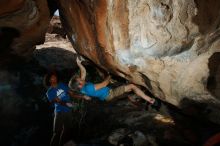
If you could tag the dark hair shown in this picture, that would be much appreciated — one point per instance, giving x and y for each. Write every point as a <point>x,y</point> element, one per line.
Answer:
<point>74,84</point>
<point>47,78</point>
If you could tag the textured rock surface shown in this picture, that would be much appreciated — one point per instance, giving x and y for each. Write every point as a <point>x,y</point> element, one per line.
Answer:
<point>27,21</point>
<point>170,47</point>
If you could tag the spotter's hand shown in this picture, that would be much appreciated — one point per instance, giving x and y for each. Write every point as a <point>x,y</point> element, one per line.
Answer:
<point>87,97</point>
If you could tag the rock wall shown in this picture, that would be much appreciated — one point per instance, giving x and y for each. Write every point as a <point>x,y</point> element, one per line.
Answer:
<point>170,47</point>
<point>27,21</point>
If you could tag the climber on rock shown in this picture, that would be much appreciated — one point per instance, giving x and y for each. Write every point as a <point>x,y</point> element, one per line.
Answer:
<point>101,91</point>
<point>59,95</point>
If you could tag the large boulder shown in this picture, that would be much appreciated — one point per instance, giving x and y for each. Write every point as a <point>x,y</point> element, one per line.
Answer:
<point>169,47</point>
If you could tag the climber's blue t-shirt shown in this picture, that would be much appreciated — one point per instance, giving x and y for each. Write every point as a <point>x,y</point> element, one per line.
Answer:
<point>89,90</point>
<point>61,91</point>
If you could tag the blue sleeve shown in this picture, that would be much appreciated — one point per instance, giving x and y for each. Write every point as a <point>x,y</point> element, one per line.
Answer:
<point>51,95</point>
<point>90,88</point>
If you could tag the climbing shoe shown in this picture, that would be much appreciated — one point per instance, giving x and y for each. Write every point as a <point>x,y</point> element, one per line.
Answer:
<point>138,102</point>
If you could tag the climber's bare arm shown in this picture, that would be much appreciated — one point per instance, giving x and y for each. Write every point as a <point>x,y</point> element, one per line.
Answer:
<point>77,96</point>
<point>82,69</point>
<point>103,83</point>
<point>57,100</point>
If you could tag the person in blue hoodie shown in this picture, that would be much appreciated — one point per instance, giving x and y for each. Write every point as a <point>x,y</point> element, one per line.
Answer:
<point>102,91</point>
<point>59,95</point>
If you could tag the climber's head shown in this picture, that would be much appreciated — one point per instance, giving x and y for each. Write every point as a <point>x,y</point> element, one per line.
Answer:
<point>76,83</point>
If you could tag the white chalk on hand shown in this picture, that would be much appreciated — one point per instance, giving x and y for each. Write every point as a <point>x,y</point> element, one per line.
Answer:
<point>69,104</point>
